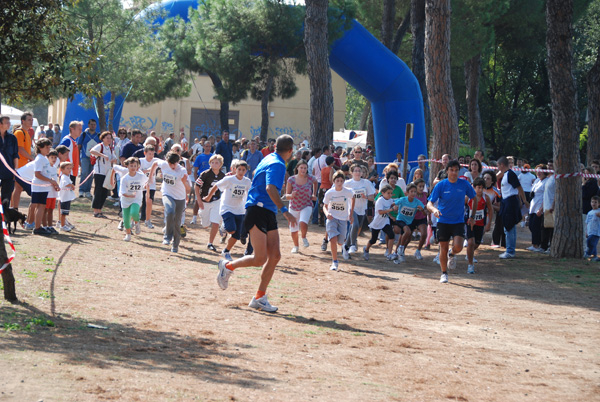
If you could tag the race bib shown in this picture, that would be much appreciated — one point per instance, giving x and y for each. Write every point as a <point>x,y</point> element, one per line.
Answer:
<point>134,187</point>
<point>169,179</point>
<point>478,215</point>
<point>360,193</point>
<point>338,206</point>
<point>238,192</point>
<point>407,211</point>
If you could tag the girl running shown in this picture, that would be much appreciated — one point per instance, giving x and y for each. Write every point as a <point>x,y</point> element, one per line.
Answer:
<point>301,190</point>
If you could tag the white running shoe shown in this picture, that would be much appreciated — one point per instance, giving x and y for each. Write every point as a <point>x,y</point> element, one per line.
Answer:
<point>294,250</point>
<point>149,224</point>
<point>400,259</point>
<point>352,249</point>
<point>400,250</point>
<point>444,277</point>
<point>392,257</point>
<point>65,228</point>
<point>226,255</point>
<point>120,227</point>
<point>436,259</point>
<point>305,242</point>
<point>386,254</point>
<point>451,261</point>
<point>334,266</point>
<point>365,254</point>
<point>224,275</point>
<point>418,255</point>
<point>262,304</point>
<point>166,242</point>
<point>345,253</point>
<point>127,237</point>
<point>506,256</point>
<point>193,221</point>
<point>471,269</point>
<point>138,228</point>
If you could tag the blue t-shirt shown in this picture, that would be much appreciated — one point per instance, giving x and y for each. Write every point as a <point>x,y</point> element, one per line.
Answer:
<point>129,149</point>
<point>407,209</point>
<point>271,170</point>
<point>451,197</point>
<point>201,162</point>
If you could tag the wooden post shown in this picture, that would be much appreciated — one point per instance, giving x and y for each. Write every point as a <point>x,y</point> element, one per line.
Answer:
<point>409,134</point>
<point>8,279</point>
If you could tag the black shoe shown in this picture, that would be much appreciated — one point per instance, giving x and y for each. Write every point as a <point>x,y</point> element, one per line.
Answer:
<point>211,247</point>
<point>324,245</point>
<point>243,240</point>
<point>52,230</point>
<point>41,231</point>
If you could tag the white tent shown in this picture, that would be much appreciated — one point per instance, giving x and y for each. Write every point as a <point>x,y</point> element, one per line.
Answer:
<point>15,115</point>
<point>342,138</point>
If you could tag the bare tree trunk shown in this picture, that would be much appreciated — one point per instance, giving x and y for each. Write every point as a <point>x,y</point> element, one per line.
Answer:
<point>593,89</point>
<point>101,110</point>
<point>444,119</point>
<point>417,20</point>
<point>568,223</point>
<point>371,131</point>
<point>472,74</point>
<point>400,32</point>
<point>387,22</point>
<point>319,73</point>
<point>224,110</point>
<point>264,107</point>
<point>111,111</point>
<point>365,116</point>
<point>8,279</point>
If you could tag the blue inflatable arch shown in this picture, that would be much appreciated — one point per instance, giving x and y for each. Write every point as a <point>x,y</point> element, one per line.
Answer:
<point>378,74</point>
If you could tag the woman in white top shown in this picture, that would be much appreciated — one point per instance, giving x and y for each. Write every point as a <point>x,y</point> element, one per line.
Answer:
<point>475,170</point>
<point>105,157</point>
<point>175,187</point>
<point>536,210</point>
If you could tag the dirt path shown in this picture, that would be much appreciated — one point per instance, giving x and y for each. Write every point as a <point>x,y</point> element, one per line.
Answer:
<point>522,330</point>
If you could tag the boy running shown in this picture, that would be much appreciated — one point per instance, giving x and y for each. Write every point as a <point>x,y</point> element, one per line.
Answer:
<point>235,191</point>
<point>407,208</point>
<point>450,194</point>
<point>338,207</point>
<point>210,209</point>
<point>478,227</point>
<point>261,222</point>
<point>363,193</point>
<point>381,222</point>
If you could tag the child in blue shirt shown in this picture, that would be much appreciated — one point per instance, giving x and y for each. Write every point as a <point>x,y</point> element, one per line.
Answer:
<point>407,208</point>
<point>592,223</point>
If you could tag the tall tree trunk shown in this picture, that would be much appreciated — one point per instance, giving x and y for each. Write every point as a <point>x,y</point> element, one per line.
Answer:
<point>444,121</point>
<point>111,111</point>
<point>365,116</point>
<point>101,110</point>
<point>371,131</point>
<point>593,89</point>
<point>387,22</point>
<point>400,32</point>
<point>417,21</point>
<point>568,223</point>
<point>224,110</point>
<point>319,73</point>
<point>264,107</point>
<point>8,279</point>
<point>472,74</point>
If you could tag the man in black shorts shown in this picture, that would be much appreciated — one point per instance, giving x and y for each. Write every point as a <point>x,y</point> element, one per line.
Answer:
<point>450,194</point>
<point>261,222</point>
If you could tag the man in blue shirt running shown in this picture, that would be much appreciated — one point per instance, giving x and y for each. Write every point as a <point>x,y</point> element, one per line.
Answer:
<point>450,194</point>
<point>261,222</point>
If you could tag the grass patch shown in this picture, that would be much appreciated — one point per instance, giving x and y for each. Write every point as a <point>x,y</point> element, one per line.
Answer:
<point>26,325</point>
<point>30,274</point>
<point>43,294</point>
<point>46,260</point>
<point>584,277</point>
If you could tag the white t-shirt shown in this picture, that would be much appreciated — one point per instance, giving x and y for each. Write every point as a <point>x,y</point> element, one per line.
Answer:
<point>318,165</point>
<point>52,193</point>
<point>102,165</point>
<point>234,194</point>
<point>173,181</point>
<point>362,190</point>
<point>42,164</point>
<point>526,179</point>
<point>65,194</point>
<point>145,165</point>
<point>379,220</point>
<point>339,202</point>
<point>132,185</point>
<point>28,171</point>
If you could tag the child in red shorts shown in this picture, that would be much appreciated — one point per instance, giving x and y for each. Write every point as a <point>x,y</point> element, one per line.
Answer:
<point>48,221</point>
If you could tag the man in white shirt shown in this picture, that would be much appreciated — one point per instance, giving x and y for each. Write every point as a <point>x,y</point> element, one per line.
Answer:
<point>548,205</point>
<point>316,170</point>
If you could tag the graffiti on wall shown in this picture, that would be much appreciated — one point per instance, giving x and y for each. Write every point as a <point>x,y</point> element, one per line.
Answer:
<point>274,132</point>
<point>167,127</point>
<point>139,122</point>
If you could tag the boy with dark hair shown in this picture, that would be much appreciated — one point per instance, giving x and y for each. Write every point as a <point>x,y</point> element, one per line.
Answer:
<point>338,207</point>
<point>477,208</point>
